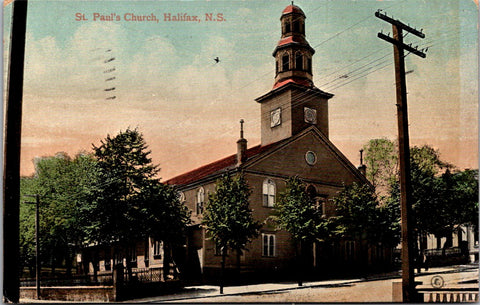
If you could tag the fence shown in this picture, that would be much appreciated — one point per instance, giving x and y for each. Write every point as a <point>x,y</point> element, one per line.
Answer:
<point>76,280</point>
<point>446,252</point>
<point>450,295</point>
<point>145,275</point>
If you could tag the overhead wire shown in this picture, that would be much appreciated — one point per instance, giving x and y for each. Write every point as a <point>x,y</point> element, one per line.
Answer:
<point>334,84</point>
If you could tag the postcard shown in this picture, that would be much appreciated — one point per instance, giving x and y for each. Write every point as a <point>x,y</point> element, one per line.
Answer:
<point>245,151</point>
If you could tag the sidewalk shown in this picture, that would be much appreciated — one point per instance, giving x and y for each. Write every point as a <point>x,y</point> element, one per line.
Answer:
<point>207,291</point>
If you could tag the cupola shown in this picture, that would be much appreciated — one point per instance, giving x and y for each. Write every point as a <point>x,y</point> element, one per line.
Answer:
<point>294,103</point>
<point>293,54</point>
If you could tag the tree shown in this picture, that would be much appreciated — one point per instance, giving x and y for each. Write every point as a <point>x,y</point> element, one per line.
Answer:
<point>228,217</point>
<point>165,218</point>
<point>27,226</point>
<point>466,202</point>
<point>359,216</point>
<point>131,204</point>
<point>442,198</point>
<point>381,160</point>
<point>65,186</point>
<point>126,172</point>
<point>296,212</point>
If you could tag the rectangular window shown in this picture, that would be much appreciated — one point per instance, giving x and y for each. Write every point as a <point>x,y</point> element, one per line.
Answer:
<point>268,193</point>
<point>299,62</point>
<point>108,265</point>
<point>146,254</point>
<point>118,259</point>
<point>285,62</point>
<point>269,200</point>
<point>133,256</point>
<point>157,249</point>
<point>268,244</point>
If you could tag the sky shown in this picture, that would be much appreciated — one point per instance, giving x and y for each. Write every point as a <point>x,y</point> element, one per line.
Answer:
<point>188,107</point>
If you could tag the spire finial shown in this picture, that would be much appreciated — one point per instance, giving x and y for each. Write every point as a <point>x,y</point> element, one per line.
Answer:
<point>292,2</point>
<point>361,156</point>
<point>241,128</point>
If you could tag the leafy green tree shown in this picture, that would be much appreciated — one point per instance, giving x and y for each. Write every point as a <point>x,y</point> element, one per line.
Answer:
<point>165,218</point>
<point>27,225</point>
<point>126,173</point>
<point>228,217</point>
<point>381,160</point>
<point>64,186</point>
<point>441,199</point>
<point>466,202</point>
<point>430,210</point>
<point>296,213</point>
<point>359,216</point>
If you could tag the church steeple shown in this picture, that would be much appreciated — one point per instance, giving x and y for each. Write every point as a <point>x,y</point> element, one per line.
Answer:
<point>294,104</point>
<point>293,54</point>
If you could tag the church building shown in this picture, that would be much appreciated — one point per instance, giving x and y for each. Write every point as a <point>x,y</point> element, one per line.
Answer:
<point>294,141</point>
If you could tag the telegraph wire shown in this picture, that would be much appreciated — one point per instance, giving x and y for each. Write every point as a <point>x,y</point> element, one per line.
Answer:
<point>332,83</point>
<point>379,66</point>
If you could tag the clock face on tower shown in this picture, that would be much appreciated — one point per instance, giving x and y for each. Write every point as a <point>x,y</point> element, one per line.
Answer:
<point>275,117</point>
<point>310,115</point>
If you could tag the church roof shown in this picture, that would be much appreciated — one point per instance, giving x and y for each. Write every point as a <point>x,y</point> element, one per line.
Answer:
<point>216,167</point>
<point>295,80</point>
<point>289,41</point>
<point>292,83</point>
<point>292,9</point>
<point>293,39</point>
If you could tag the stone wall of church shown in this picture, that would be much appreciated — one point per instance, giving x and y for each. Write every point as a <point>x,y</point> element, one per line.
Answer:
<point>290,161</point>
<point>282,131</point>
<point>301,99</point>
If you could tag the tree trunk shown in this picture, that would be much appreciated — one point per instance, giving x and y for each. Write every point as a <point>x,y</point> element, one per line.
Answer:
<point>166,261</point>
<point>52,264</point>
<point>222,269</point>
<point>128,259</point>
<point>298,256</point>
<point>68,262</point>
<point>239,264</point>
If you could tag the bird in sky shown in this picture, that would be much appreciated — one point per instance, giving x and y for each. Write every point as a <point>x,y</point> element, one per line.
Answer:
<point>217,60</point>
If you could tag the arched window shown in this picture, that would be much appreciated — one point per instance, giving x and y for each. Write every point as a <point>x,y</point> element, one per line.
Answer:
<point>311,191</point>
<point>296,26</point>
<point>318,199</point>
<point>309,65</point>
<point>200,200</point>
<point>268,244</point>
<point>269,191</point>
<point>276,67</point>
<point>299,61</point>
<point>181,197</point>
<point>285,62</point>
<point>287,26</point>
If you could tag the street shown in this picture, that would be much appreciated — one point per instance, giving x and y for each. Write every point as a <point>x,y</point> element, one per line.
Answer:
<point>351,290</point>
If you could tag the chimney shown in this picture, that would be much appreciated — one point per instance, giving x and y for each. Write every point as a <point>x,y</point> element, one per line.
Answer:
<point>241,146</point>
<point>362,167</point>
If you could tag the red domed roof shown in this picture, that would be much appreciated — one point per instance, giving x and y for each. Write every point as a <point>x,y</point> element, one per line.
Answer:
<point>292,9</point>
<point>295,80</point>
<point>293,39</point>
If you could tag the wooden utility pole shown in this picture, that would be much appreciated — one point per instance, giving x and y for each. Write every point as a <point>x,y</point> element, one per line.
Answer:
<point>37,241</point>
<point>11,161</point>
<point>408,277</point>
